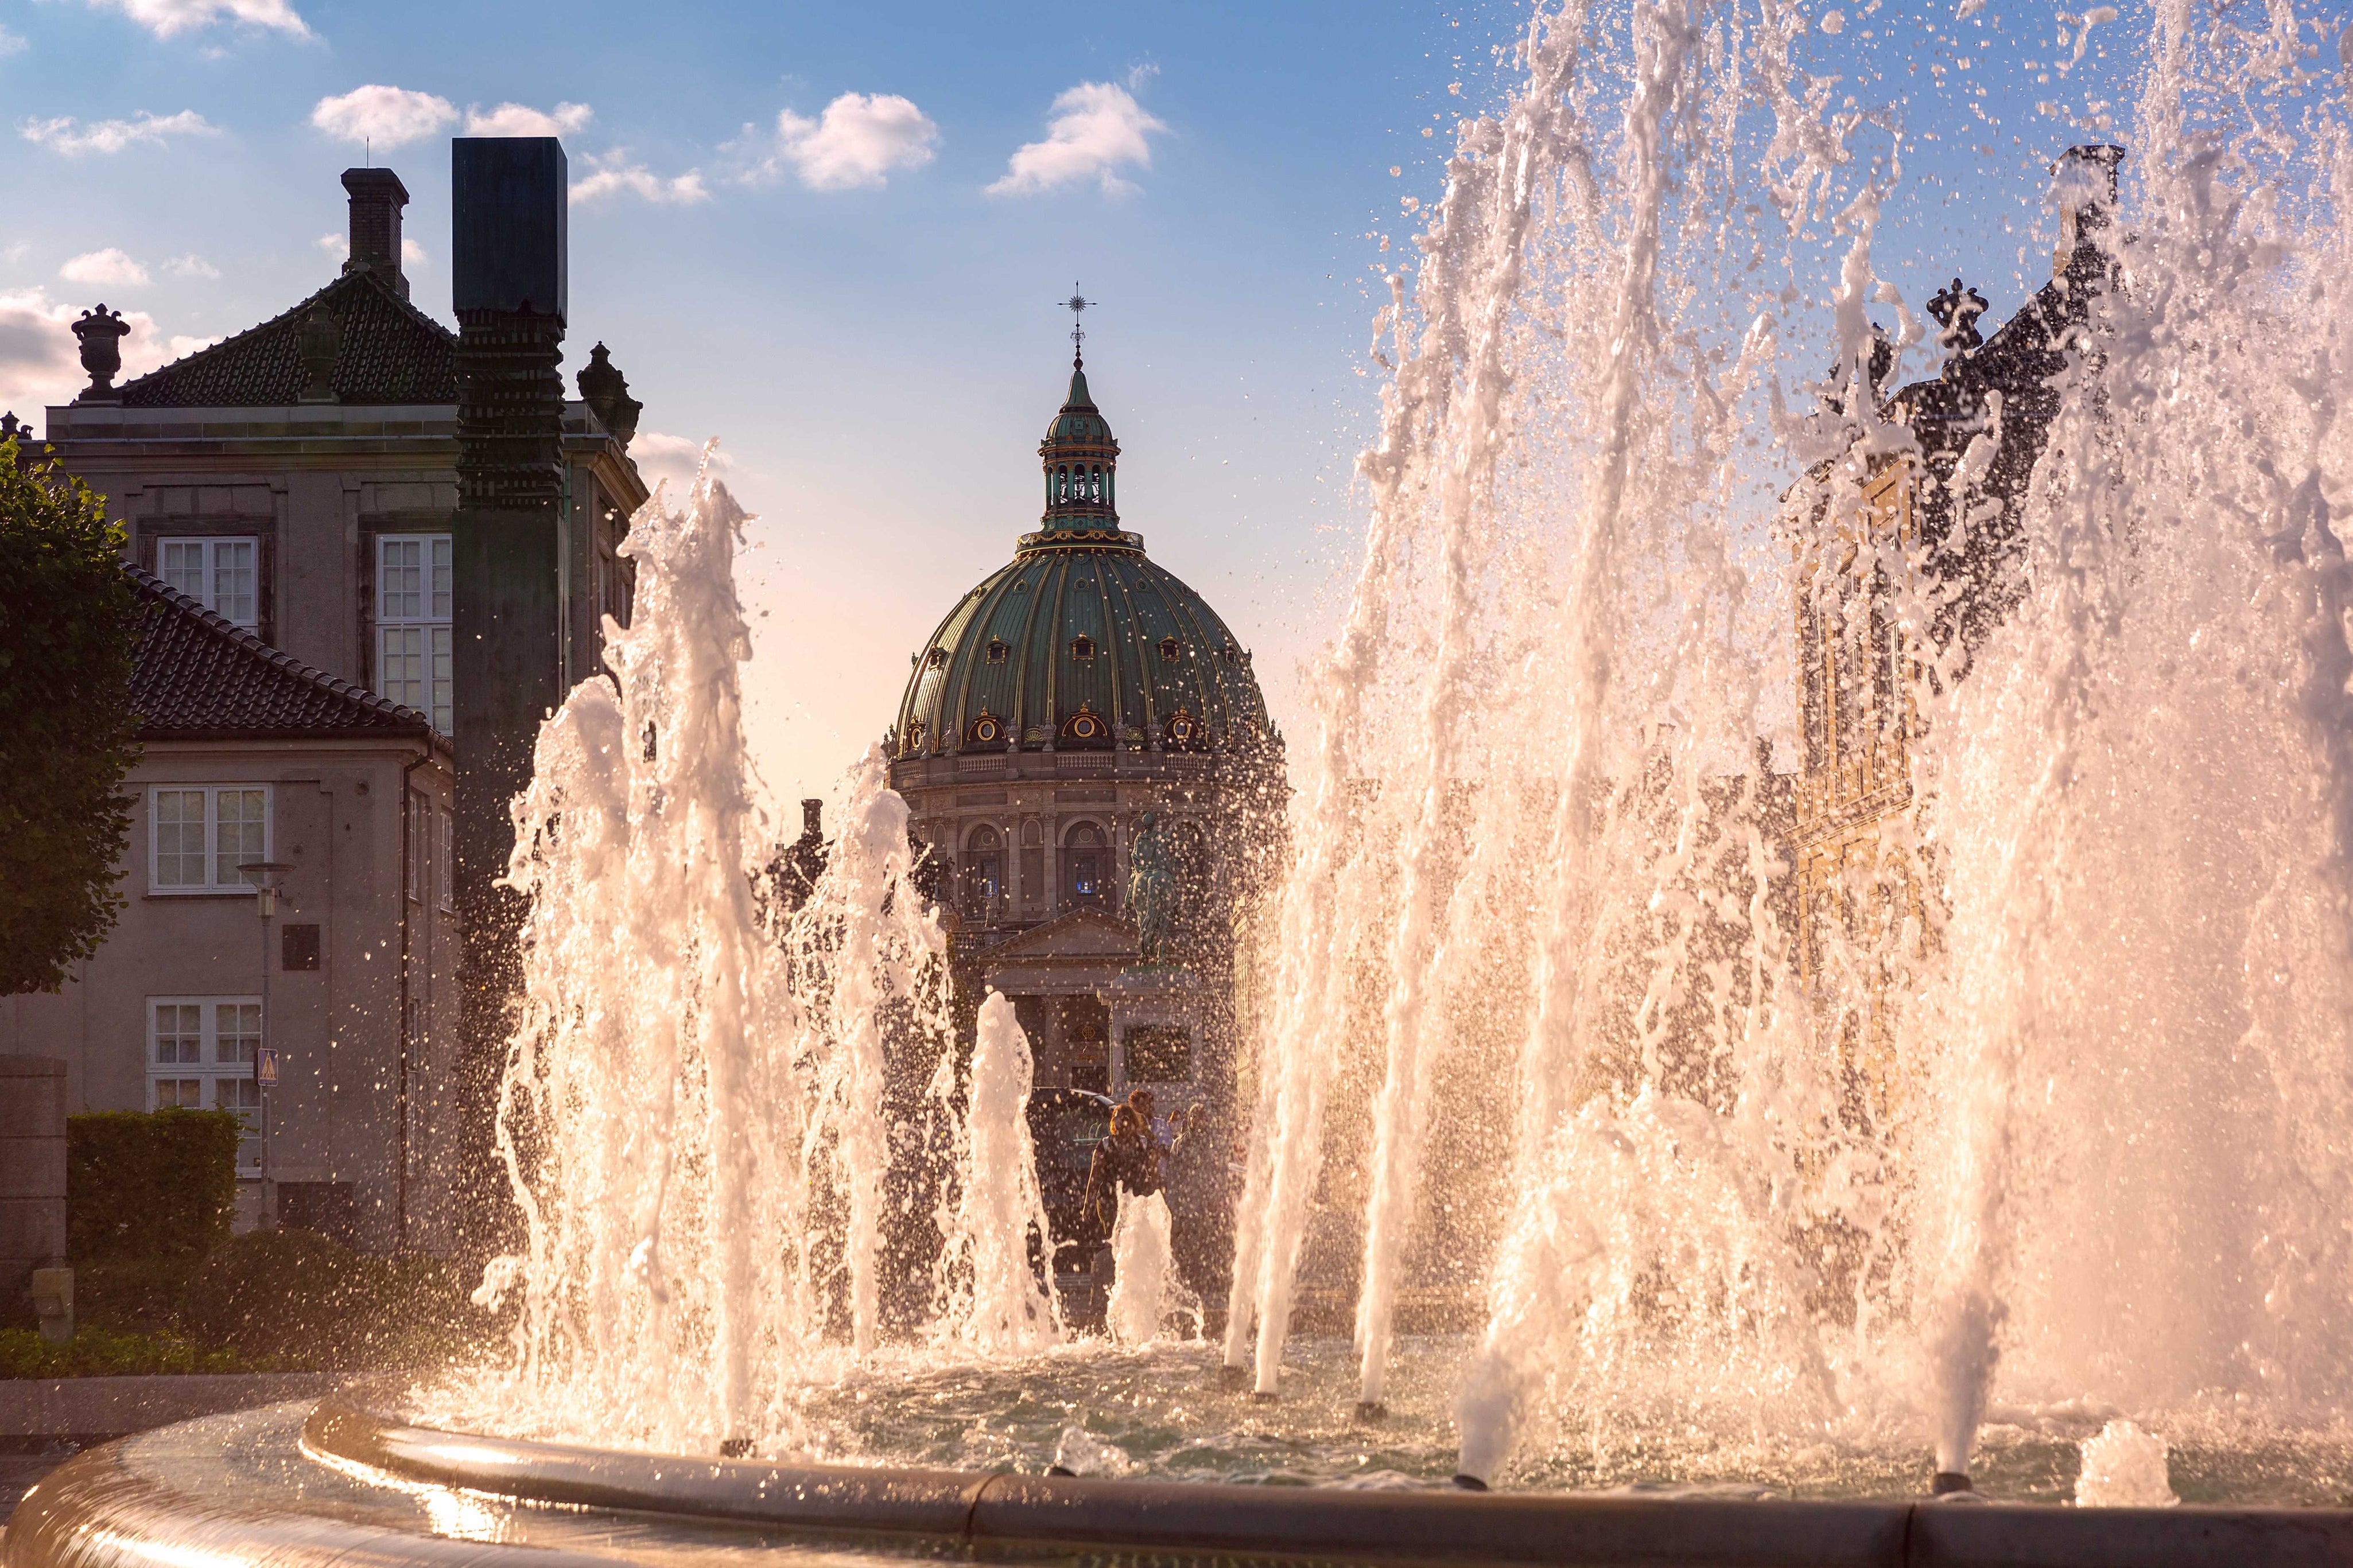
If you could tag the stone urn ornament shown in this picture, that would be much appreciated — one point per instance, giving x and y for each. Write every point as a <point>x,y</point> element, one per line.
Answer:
<point>100,331</point>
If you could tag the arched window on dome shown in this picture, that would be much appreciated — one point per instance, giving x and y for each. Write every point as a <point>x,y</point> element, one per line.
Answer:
<point>989,730</point>
<point>983,871</point>
<point>1182,732</point>
<point>1086,867</point>
<point>998,650</point>
<point>1082,647</point>
<point>1171,650</point>
<point>937,658</point>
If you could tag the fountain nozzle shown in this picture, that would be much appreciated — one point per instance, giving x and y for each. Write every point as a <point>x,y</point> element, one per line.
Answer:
<point>1947,1482</point>
<point>735,1448</point>
<point>1469,1483</point>
<point>1371,1410</point>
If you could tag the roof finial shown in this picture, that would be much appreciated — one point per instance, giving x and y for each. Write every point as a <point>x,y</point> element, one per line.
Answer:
<point>1074,304</point>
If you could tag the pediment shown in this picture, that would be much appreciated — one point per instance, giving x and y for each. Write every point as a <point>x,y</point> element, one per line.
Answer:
<point>1081,934</point>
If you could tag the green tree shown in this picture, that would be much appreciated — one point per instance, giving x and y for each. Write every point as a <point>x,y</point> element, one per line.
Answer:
<point>69,628</point>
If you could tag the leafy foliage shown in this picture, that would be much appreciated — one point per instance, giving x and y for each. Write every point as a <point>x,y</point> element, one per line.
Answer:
<point>149,1188</point>
<point>69,628</point>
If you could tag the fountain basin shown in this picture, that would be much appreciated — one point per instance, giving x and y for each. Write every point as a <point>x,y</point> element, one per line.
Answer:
<point>302,1485</point>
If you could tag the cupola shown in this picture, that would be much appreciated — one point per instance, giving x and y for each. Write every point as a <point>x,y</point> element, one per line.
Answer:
<point>1081,460</point>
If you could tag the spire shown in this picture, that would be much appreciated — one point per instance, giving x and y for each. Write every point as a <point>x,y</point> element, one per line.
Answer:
<point>1074,304</point>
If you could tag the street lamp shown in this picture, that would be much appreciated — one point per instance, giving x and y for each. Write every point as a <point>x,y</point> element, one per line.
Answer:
<point>264,875</point>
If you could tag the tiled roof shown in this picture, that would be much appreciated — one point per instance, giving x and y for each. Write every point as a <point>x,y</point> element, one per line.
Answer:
<point>391,351</point>
<point>196,676</point>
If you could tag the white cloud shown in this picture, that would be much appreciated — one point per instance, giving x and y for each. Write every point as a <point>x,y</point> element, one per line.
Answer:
<point>617,175</point>
<point>521,120</point>
<point>165,17</point>
<point>1097,127</point>
<point>16,251</point>
<point>335,243</point>
<point>857,140</point>
<point>12,43</point>
<point>107,268</point>
<point>191,266</point>
<point>69,135</point>
<point>672,457</point>
<point>384,116</point>
<point>40,362</point>
<point>181,347</point>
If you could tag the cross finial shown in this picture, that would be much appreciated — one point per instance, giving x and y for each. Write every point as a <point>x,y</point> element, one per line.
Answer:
<point>1074,304</point>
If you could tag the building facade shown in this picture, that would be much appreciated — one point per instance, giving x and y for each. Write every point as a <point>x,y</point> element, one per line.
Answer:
<point>292,493</point>
<point>252,758</point>
<point>1919,525</point>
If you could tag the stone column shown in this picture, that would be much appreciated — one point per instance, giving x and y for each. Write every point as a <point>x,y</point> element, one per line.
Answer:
<point>509,245</point>
<point>32,1174</point>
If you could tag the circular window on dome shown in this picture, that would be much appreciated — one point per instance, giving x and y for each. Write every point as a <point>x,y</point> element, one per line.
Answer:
<point>989,730</point>
<point>1082,647</point>
<point>998,650</point>
<point>937,658</point>
<point>1085,728</point>
<point>1184,731</point>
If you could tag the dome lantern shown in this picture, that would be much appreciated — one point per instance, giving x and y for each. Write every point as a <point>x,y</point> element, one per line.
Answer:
<point>1081,460</point>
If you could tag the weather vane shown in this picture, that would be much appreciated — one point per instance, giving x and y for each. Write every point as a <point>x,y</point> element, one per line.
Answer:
<point>1074,304</point>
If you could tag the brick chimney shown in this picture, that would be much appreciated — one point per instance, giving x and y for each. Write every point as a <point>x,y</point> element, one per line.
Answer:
<point>377,196</point>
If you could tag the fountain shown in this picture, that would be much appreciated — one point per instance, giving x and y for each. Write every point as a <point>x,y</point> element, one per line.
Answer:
<point>2000,1149</point>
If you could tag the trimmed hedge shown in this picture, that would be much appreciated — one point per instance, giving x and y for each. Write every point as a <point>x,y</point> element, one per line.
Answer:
<point>99,1353</point>
<point>150,1186</point>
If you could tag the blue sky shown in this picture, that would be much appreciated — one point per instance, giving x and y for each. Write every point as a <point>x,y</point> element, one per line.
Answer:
<point>856,294</point>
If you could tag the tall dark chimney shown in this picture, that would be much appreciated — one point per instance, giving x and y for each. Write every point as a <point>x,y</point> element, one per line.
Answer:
<point>506,251</point>
<point>813,819</point>
<point>377,196</point>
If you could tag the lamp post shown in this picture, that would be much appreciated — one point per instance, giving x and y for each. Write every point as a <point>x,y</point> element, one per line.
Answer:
<point>264,875</point>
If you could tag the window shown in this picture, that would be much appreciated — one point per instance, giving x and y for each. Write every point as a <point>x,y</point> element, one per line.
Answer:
<point>1170,651</point>
<point>420,822</point>
<point>224,575</point>
<point>445,862</point>
<point>998,650</point>
<point>983,870</point>
<point>199,834</point>
<point>1082,647</point>
<point>411,623</point>
<point>1088,862</point>
<point>200,1056</point>
<point>937,658</point>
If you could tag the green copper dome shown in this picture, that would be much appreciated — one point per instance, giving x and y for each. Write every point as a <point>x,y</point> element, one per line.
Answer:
<point>1082,643</point>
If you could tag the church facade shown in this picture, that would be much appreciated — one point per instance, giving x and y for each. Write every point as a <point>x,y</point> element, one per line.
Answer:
<point>1079,696</point>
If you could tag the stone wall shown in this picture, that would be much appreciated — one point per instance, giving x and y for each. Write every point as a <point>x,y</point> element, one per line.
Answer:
<point>32,1174</point>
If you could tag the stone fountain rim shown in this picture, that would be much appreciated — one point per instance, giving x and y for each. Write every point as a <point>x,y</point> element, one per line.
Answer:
<point>103,1509</point>
<point>997,1513</point>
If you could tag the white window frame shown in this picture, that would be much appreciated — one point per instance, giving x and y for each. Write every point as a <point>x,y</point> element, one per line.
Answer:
<point>214,883</point>
<point>444,859</point>
<point>209,1071</point>
<point>209,548</point>
<point>422,626</point>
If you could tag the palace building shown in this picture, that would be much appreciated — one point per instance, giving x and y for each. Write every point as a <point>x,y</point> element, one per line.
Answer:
<point>1073,691</point>
<point>292,499</point>
<point>1917,513</point>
